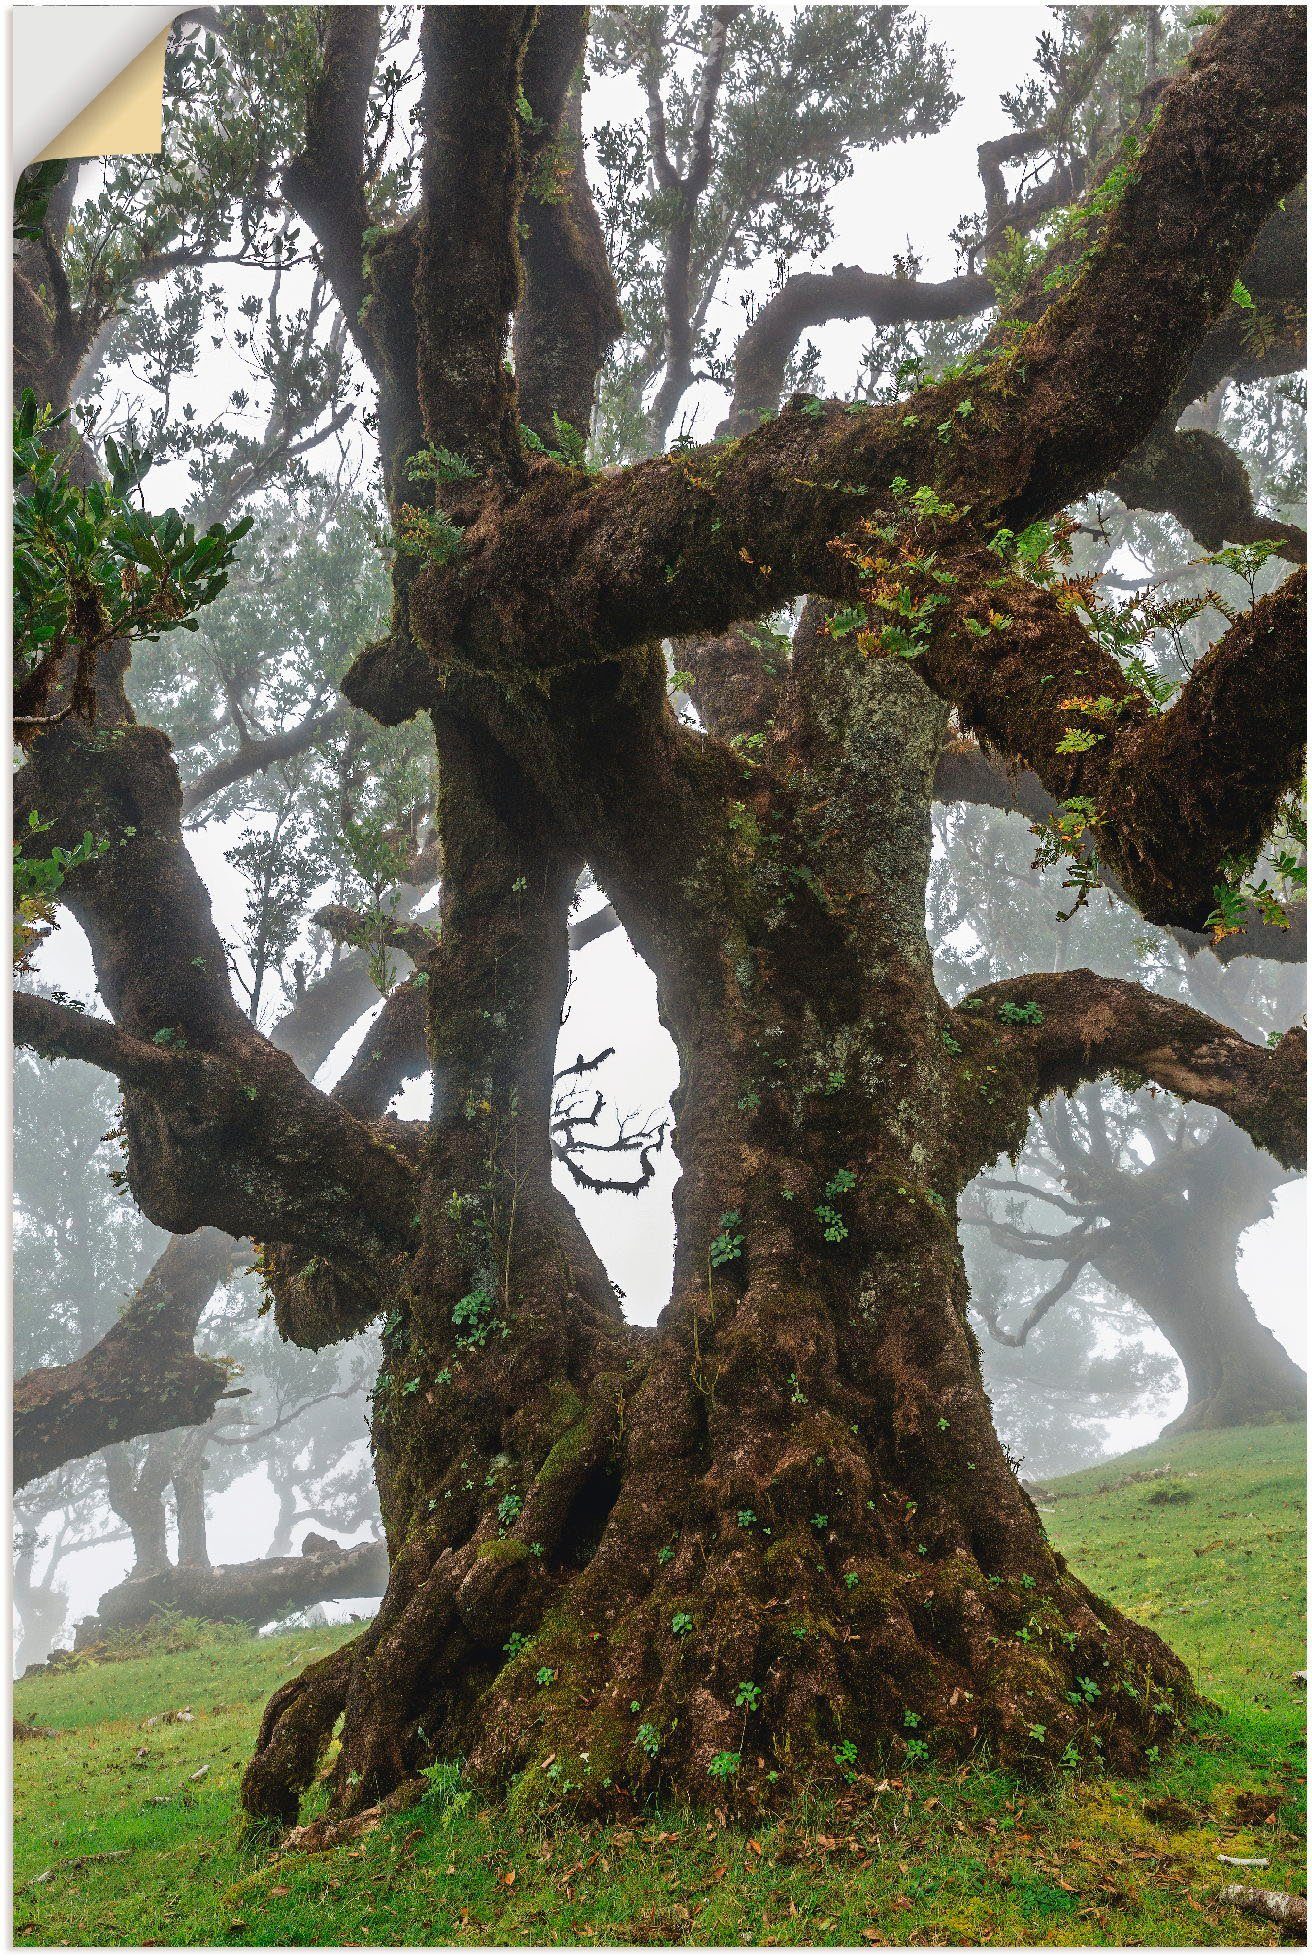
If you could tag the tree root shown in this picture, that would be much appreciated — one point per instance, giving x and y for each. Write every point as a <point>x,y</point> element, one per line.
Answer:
<point>326,1833</point>
<point>438,1637</point>
<point>294,1735</point>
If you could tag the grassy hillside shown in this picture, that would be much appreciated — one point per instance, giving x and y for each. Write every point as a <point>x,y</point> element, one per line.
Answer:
<point>126,1827</point>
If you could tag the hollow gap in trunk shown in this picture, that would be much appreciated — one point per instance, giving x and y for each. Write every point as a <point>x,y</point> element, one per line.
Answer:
<point>586,1519</point>
<point>617,1069</point>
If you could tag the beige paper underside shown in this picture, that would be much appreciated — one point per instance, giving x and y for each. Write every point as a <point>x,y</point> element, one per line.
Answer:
<point>125,119</point>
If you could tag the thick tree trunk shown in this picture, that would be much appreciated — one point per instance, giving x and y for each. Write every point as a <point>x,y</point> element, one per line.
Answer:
<point>778,1535</point>
<point>776,1538</point>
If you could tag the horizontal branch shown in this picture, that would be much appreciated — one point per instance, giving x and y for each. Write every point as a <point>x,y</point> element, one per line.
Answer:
<point>597,924</point>
<point>252,758</point>
<point>141,1378</point>
<point>350,927</point>
<point>197,1126</point>
<point>261,1590</point>
<point>1196,478</point>
<point>967,774</point>
<point>809,299</point>
<point>1075,1027</point>
<point>62,1033</point>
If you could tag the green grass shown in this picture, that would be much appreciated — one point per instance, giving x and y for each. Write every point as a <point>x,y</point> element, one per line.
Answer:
<point>117,1840</point>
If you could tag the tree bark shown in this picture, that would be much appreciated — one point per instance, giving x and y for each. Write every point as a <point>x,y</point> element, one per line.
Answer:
<point>142,1378</point>
<point>255,1593</point>
<point>845,1533</point>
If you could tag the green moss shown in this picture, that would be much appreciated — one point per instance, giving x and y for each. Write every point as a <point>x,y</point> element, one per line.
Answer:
<point>564,1452</point>
<point>566,1406</point>
<point>504,1551</point>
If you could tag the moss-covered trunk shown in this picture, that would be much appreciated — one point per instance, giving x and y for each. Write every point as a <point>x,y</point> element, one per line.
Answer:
<point>775,1538</point>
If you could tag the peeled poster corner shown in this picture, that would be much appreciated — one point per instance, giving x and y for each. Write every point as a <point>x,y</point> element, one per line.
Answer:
<point>87,81</point>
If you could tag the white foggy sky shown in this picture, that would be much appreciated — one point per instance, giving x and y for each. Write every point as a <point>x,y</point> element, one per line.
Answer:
<point>915,191</point>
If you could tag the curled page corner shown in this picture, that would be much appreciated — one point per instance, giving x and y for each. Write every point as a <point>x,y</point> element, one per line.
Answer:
<point>87,80</point>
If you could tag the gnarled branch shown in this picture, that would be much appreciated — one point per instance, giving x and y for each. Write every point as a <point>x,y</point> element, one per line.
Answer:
<point>1193,476</point>
<point>969,773</point>
<point>1174,793</point>
<point>1074,1027</point>
<point>573,571</point>
<point>809,299</point>
<point>140,1378</point>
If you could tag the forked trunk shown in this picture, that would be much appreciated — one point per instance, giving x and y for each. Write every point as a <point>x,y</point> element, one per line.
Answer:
<point>775,1539</point>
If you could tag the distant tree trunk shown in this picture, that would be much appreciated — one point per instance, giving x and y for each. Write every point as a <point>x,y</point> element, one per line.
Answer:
<point>280,1544</point>
<point>189,1496</point>
<point>1168,1238</point>
<point>1235,1368</point>
<point>138,1499</point>
<point>1176,1255</point>
<point>40,1607</point>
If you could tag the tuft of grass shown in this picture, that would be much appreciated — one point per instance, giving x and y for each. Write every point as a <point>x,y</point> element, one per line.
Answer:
<point>117,1839</point>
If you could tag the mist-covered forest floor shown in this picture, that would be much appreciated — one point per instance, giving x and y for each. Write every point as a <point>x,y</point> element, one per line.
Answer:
<point>126,1822</point>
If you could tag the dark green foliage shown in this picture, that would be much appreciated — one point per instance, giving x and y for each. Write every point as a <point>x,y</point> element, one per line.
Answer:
<point>89,562</point>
